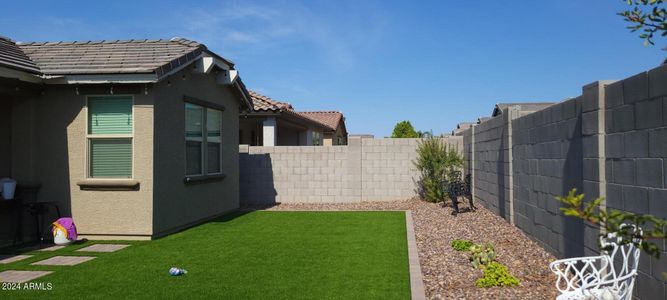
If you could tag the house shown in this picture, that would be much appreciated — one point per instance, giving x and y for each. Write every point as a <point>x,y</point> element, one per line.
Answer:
<point>336,132</point>
<point>521,106</point>
<point>134,139</point>
<point>461,127</point>
<point>276,123</point>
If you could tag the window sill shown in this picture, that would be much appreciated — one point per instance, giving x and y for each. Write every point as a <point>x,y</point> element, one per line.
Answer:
<point>108,184</point>
<point>193,179</point>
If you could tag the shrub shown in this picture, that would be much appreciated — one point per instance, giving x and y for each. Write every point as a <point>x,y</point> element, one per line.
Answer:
<point>482,255</point>
<point>496,274</point>
<point>653,228</point>
<point>461,245</point>
<point>436,162</point>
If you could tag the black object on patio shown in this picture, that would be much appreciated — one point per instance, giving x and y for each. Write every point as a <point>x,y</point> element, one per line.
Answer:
<point>459,188</point>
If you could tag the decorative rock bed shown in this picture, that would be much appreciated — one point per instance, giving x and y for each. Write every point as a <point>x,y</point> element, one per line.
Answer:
<point>447,273</point>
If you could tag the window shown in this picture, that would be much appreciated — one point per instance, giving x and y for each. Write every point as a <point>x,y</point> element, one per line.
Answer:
<point>109,136</point>
<point>317,138</point>
<point>203,143</point>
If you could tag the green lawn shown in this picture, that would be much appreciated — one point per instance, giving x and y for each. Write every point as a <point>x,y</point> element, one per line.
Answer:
<point>308,255</point>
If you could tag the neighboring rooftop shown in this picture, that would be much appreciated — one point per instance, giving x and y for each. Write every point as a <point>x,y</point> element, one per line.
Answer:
<point>264,103</point>
<point>483,119</point>
<point>329,118</point>
<point>112,56</point>
<point>464,125</point>
<point>523,106</point>
<point>12,57</point>
<point>461,127</point>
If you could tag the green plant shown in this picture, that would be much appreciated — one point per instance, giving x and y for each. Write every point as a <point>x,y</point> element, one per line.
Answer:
<point>404,129</point>
<point>461,245</point>
<point>482,255</point>
<point>436,162</point>
<point>496,274</point>
<point>649,16</point>
<point>611,220</point>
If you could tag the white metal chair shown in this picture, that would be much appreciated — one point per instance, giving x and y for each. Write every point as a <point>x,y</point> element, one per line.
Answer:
<point>604,277</point>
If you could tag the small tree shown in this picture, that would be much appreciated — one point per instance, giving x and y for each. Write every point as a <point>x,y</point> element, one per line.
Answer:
<point>649,16</point>
<point>404,129</point>
<point>652,228</point>
<point>436,162</point>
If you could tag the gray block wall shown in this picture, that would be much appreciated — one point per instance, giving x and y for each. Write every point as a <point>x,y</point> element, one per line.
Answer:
<point>491,165</point>
<point>636,159</point>
<point>364,170</point>
<point>611,142</point>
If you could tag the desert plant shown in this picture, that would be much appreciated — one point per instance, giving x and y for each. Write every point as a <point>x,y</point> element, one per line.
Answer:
<point>461,245</point>
<point>496,274</point>
<point>611,220</point>
<point>436,162</point>
<point>482,255</point>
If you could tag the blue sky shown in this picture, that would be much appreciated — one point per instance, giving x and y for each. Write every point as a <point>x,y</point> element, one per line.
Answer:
<point>435,63</point>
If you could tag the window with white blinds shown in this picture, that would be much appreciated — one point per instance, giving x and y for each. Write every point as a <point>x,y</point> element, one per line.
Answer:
<point>110,133</point>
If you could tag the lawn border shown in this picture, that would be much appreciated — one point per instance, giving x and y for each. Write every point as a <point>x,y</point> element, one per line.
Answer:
<point>416,281</point>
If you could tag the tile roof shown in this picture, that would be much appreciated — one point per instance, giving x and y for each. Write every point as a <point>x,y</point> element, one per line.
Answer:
<point>112,57</point>
<point>329,118</point>
<point>264,103</point>
<point>325,119</point>
<point>12,57</point>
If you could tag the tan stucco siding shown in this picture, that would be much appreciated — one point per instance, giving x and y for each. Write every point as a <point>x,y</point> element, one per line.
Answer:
<point>331,138</point>
<point>55,155</point>
<point>176,203</point>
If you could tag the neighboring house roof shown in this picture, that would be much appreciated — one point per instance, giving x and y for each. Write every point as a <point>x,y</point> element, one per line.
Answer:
<point>461,127</point>
<point>464,125</point>
<point>264,103</point>
<point>483,119</point>
<point>12,57</point>
<point>112,57</point>
<point>329,118</point>
<point>523,106</point>
<point>323,119</point>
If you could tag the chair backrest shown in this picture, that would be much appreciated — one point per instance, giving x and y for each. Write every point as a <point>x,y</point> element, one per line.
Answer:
<point>624,260</point>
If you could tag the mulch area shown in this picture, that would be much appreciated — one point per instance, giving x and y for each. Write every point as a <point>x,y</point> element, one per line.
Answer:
<point>447,273</point>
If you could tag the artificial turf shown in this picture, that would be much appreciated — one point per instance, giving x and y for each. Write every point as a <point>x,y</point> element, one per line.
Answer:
<point>265,255</point>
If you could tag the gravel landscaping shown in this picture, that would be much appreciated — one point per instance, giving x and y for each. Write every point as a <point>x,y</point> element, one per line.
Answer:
<point>448,273</point>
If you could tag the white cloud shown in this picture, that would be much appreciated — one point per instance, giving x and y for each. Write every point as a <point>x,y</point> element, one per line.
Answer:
<point>234,26</point>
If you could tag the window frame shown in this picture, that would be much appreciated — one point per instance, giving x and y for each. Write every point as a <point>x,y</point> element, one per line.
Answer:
<point>89,137</point>
<point>205,105</point>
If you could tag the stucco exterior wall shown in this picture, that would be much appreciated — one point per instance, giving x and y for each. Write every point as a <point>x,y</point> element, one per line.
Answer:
<point>49,147</point>
<point>178,204</point>
<point>331,139</point>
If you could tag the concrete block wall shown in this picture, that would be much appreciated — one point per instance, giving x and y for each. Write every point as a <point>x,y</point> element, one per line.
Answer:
<point>610,142</point>
<point>363,170</point>
<point>547,159</point>
<point>636,160</point>
<point>490,166</point>
<point>387,169</point>
<point>293,174</point>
